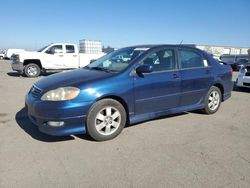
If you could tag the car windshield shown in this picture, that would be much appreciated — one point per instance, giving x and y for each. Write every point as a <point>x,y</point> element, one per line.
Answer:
<point>42,48</point>
<point>118,60</point>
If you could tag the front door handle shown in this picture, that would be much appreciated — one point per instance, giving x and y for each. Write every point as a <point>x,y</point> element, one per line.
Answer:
<point>175,76</point>
<point>208,71</point>
<point>60,55</point>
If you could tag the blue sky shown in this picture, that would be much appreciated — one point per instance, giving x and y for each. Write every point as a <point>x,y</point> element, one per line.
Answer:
<point>31,24</point>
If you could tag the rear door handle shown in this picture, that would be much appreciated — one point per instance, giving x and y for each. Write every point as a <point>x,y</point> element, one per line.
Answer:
<point>74,55</point>
<point>60,55</point>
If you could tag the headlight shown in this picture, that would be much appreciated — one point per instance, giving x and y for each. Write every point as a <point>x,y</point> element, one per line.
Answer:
<point>61,94</point>
<point>15,57</point>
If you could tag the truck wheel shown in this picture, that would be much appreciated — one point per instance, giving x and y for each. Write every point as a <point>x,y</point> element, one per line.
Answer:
<point>212,100</point>
<point>106,119</point>
<point>32,70</point>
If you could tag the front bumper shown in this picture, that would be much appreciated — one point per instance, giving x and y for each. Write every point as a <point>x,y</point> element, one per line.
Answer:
<point>17,66</point>
<point>243,81</point>
<point>72,114</point>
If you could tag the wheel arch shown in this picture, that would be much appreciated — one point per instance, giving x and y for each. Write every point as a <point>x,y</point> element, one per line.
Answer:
<point>120,100</point>
<point>220,86</point>
<point>34,61</point>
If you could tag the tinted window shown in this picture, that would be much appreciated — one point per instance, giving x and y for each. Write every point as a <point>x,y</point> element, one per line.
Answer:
<point>190,59</point>
<point>161,60</point>
<point>54,49</point>
<point>70,49</point>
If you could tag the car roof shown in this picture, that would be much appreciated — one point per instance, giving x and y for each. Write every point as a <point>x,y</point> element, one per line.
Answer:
<point>150,46</point>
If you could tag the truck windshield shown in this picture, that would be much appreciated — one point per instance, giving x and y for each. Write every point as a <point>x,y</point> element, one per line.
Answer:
<point>42,48</point>
<point>117,61</point>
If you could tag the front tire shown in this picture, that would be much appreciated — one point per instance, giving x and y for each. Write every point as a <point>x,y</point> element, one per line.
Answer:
<point>106,119</point>
<point>212,100</point>
<point>32,70</point>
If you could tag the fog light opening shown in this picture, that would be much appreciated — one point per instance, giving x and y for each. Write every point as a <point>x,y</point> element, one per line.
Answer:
<point>55,123</point>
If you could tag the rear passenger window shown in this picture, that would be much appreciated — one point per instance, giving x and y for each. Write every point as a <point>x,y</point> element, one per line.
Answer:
<point>70,49</point>
<point>162,60</point>
<point>191,59</point>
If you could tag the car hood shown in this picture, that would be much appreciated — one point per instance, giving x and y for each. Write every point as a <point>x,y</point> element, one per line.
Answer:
<point>71,78</point>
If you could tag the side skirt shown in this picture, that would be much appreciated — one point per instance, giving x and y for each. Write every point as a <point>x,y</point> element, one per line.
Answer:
<point>148,116</point>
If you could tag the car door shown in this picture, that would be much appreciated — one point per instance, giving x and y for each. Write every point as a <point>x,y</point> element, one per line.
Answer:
<point>196,76</point>
<point>71,56</point>
<point>159,90</point>
<point>54,57</point>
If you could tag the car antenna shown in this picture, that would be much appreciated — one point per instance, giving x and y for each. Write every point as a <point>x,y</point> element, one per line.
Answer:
<point>181,42</point>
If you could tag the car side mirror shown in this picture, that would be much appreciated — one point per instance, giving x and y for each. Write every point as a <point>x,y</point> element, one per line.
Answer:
<point>144,69</point>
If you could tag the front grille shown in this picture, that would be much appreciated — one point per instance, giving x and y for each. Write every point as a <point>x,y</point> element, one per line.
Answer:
<point>246,84</point>
<point>35,91</point>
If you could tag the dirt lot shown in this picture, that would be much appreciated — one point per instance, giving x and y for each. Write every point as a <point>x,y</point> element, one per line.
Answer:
<point>186,150</point>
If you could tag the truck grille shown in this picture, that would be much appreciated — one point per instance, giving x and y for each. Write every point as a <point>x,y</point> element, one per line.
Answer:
<point>35,91</point>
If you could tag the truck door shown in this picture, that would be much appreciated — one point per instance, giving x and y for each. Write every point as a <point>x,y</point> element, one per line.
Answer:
<point>53,57</point>
<point>71,56</point>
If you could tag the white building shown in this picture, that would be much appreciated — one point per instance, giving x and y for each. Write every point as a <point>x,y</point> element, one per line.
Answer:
<point>219,50</point>
<point>90,46</point>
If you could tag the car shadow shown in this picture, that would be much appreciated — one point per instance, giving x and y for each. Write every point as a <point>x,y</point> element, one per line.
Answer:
<point>242,89</point>
<point>24,122</point>
<point>14,74</point>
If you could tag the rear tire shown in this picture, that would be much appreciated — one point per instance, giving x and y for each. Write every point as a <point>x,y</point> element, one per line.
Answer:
<point>32,70</point>
<point>212,100</point>
<point>106,119</point>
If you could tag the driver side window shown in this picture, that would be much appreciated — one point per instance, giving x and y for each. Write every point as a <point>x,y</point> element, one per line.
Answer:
<point>54,49</point>
<point>162,60</point>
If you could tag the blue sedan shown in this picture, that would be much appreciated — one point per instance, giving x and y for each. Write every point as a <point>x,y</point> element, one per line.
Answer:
<point>128,86</point>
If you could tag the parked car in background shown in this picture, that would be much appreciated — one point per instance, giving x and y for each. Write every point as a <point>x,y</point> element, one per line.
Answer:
<point>243,79</point>
<point>10,52</point>
<point>235,60</point>
<point>151,81</point>
<point>2,54</point>
<point>52,58</point>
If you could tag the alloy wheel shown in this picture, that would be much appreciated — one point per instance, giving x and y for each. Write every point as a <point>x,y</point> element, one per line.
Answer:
<point>107,120</point>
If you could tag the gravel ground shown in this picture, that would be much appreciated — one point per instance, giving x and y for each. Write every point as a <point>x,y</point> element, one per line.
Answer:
<point>185,150</point>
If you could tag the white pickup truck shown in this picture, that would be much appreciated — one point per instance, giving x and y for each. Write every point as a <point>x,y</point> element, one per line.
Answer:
<point>52,58</point>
